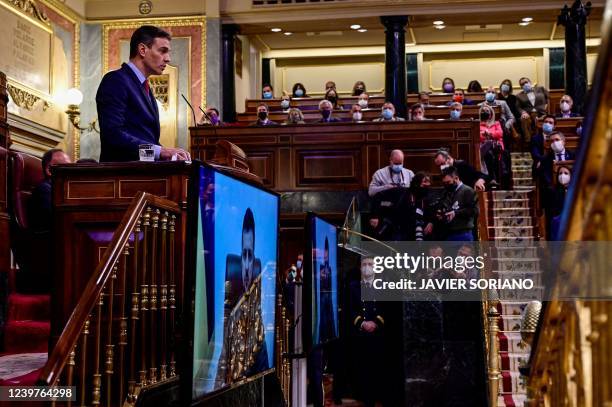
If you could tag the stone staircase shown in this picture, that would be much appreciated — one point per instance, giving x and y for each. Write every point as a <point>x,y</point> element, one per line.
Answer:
<point>512,223</point>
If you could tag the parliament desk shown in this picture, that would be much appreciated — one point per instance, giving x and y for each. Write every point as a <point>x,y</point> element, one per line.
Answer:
<point>89,201</point>
<point>338,156</point>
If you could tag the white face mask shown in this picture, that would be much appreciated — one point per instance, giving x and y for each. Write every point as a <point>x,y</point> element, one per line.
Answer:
<point>367,272</point>
<point>357,116</point>
<point>565,107</point>
<point>564,179</point>
<point>557,146</point>
<point>363,103</point>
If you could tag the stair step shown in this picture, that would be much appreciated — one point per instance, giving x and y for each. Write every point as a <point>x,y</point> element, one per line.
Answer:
<point>500,195</point>
<point>510,203</point>
<point>516,252</point>
<point>512,307</point>
<point>510,212</point>
<point>26,336</point>
<point>23,307</point>
<point>536,293</point>
<point>510,323</point>
<point>512,360</point>
<point>500,221</point>
<point>535,276</point>
<point>514,265</point>
<point>511,231</point>
<point>512,382</point>
<point>512,342</point>
<point>512,400</point>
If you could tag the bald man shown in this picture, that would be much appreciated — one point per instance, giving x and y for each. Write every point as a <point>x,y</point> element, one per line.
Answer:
<point>392,176</point>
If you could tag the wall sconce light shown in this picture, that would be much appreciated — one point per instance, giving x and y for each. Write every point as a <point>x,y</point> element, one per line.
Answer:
<point>74,98</point>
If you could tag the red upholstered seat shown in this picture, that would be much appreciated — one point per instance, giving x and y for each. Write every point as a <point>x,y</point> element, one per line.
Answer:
<point>25,174</point>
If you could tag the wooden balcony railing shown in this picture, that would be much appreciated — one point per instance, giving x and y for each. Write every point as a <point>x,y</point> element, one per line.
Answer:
<point>120,336</point>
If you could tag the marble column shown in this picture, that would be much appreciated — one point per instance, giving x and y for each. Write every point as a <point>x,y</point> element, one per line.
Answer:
<point>213,62</point>
<point>228,37</point>
<point>395,62</point>
<point>574,20</point>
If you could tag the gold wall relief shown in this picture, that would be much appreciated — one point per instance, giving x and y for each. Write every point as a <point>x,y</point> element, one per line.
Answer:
<point>30,8</point>
<point>159,86</point>
<point>22,98</point>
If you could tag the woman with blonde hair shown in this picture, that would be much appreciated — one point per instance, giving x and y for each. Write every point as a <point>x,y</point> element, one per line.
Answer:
<point>491,142</point>
<point>294,116</point>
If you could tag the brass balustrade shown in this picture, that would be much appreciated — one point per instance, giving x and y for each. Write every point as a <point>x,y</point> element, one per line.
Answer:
<point>120,334</point>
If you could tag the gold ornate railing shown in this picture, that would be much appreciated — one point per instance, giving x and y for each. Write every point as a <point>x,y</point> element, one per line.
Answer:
<point>120,336</point>
<point>283,346</point>
<point>571,363</point>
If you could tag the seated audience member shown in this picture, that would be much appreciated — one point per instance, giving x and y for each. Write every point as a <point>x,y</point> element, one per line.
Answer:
<point>531,102</point>
<point>506,116</point>
<point>299,91</point>
<point>474,87</point>
<point>557,201</point>
<point>330,85</point>
<point>358,88</point>
<point>458,216</point>
<point>557,152</point>
<point>424,99</point>
<point>294,116</point>
<point>285,102</point>
<point>326,109</point>
<point>536,145</point>
<point>468,174</point>
<point>332,96</point>
<point>356,115</point>
<point>455,110</point>
<point>388,114</point>
<point>448,85</point>
<point>262,116</point>
<point>363,100</point>
<point>392,176</point>
<point>505,94</point>
<point>267,91</point>
<point>565,105</point>
<point>459,97</point>
<point>491,142</point>
<point>417,112</point>
<point>212,117</point>
<point>39,206</point>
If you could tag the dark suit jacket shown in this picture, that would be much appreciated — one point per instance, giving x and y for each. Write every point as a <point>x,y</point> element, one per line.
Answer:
<point>536,146</point>
<point>468,174</point>
<point>128,116</point>
<point>466,209</point>
<point>259,123</point>
<point>523,103</point>
<point>330,120</point>
<point>546,168</point>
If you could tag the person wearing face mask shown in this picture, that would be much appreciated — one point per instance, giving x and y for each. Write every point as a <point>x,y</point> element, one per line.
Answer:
<point>356,115</point>
<point>285,102</point>
<point>468,174</point>
<point>564,176</point>
<point>506,116</point>
<point>388,114</point>
<point>363,100</point>
<point>536,146</point>
<point>448,85</point>
<point>565,106</point>
<point>367,336</point>
<point>212,117</point>
<point>459,97</point>
<point>417,112</point>
<point>455,110</point>
<point>557,152</point>
<point>532,101</point>
<point>267,91</point>
<point>332,96</point>
<point>294,116</point>
<point>491,143</point>
<point>299,91</point>
<point>326,109</point>
<point>505,94</point>
<point>262,116</point>
<point>424,99</point>
<point>460,208</point>
<point>392,176</point>
<point>358,88</point>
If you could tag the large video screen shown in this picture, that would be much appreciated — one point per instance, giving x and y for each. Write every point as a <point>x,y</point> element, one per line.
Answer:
<point>324,281</point>
<point>235,281</point>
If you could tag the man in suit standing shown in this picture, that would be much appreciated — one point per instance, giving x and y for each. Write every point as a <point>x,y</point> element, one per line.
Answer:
<point>461,207</point>
<point>127,110</point>
<point>557,152</point>
<point>531,102</point>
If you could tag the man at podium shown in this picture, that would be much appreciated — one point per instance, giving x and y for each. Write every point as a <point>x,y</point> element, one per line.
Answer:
<point>127,109</point>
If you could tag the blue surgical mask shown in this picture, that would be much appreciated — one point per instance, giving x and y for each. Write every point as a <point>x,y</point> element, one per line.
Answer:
<point>505,88</point>
<point>547,127</point>
<point>579,131</point>
<point>527,87</point>
<point>387,114</point>
<point>299,92</point>
<point>490,96</point>
<point>455,114</point>
<point>397,168</point>
<point>448,88</point>
<point>285,104</point>
<point>298,264</point>
<point>267,95</point>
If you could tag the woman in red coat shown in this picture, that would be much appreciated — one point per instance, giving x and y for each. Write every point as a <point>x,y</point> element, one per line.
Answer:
<point>491,142</point>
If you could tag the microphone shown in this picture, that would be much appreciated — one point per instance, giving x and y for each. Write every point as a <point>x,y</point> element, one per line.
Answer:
<point>195,123</point>
<point>205,114</point>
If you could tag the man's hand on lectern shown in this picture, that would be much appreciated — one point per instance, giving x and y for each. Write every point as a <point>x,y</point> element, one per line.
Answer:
<point>166,154</point>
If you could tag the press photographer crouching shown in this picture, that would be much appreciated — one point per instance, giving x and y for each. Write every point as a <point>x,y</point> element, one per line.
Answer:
<point>457,210</point>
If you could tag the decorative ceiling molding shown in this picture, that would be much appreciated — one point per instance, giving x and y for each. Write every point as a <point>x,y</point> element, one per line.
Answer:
<point>22,98</point>
<point>30,8</point>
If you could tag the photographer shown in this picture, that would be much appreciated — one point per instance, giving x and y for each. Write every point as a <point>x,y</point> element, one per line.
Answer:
<point>420,189</point>
<point>459,209</point>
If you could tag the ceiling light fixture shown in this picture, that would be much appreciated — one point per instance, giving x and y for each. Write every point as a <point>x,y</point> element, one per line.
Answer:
<point>438,22</point>
<point>355,27</point>
<point>524,23</point>
<point>527,19</point>
<point>440,27</point>
<point>276,30</point>
<point>287,33</point>
<point>362,30</point>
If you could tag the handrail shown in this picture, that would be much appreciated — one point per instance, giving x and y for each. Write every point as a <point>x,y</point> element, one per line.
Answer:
<point>94,289</point>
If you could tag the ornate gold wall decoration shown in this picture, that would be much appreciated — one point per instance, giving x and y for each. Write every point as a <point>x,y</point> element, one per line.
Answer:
<point>160,85</point>
<point>145,7</point>
<point>30,8</point>
<point>21,97</point>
